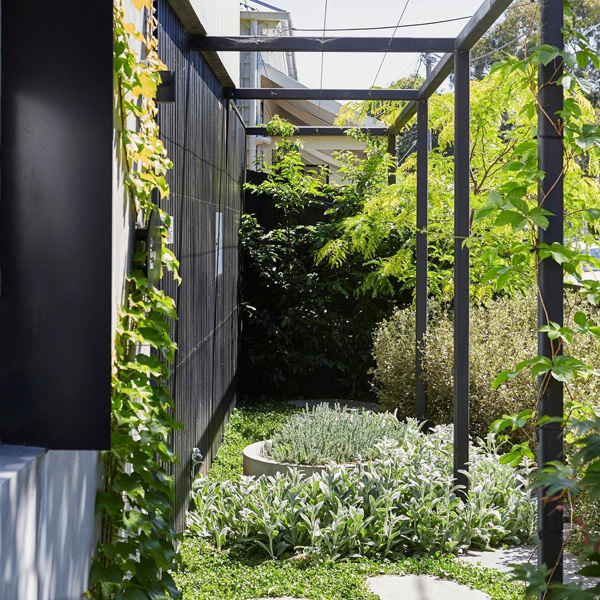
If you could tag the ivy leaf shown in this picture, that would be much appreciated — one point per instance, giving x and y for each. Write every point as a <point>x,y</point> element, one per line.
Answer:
<point>538,216</point>
<point>546,56</point>
<point>484,212</point>
<point>593,213</point>
<point>495,199</point>
<point>588,137</point>
<point>510,217</point>
<point>140,4</point>
<point>131,593</point>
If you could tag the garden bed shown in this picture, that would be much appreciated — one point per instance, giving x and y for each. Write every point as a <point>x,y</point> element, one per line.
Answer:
<point>240,574</point>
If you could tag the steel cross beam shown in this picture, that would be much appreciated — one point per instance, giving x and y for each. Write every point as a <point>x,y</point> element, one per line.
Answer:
<point>479,23</point>
<point>249,43</point>
<point>326,130</point>
<point>323,94</point>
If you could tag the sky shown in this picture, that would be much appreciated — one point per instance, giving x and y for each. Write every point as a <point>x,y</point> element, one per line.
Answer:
<point>359,71</point>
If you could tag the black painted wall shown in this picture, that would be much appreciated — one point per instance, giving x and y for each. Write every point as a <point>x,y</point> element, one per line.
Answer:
<point>55,223</point>
<point>205,140</point>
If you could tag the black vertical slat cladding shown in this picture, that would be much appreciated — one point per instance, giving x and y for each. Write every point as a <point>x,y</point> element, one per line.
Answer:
<point>205,139</point>
<point>421,286</point>
<point>56,224</point>
<point>550,278</point>
<point>461,268</point>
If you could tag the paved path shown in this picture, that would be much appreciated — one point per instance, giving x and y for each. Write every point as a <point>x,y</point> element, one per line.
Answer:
<point>501,559</point>
<point>421,587</point>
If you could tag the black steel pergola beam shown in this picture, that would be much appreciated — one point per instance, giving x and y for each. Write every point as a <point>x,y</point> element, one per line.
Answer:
<point>326,130</point>
<point>248,43</point>
<point>428,88</point>
<point>421,286</point>
<point>550,282</point>
<point>462,231</point>
<point>479,23</point>
<point>323,94</point>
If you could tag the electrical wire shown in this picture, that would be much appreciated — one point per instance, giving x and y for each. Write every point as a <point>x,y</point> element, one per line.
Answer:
<point>390,44</point>
<point>501,47</point>
<point>424,24</point>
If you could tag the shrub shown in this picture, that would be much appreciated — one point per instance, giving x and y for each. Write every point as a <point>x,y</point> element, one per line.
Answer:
<point>401,503</point>
<point>503,333</point>
<point>321,435</point>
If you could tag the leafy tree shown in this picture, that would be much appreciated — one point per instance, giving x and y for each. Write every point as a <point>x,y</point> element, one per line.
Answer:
<point>504,158</point>
<point>517,32</point>
<point>300,315</point>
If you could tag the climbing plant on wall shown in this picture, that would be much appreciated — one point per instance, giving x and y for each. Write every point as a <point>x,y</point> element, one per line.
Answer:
<point>136,552</point>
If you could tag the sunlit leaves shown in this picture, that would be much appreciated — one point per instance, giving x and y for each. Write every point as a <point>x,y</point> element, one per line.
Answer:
<point>134,558</point>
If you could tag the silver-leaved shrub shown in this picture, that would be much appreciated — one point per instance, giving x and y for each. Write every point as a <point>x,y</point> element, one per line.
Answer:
<point>402,502</point>
<point>503,332</point>
<point>321,434</point>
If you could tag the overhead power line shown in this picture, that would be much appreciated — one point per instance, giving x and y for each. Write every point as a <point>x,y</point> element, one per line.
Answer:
<point>389,45</point>
<point>381,26</point>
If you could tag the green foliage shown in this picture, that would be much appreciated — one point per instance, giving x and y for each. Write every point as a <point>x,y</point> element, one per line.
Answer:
<point>515,34</point>
<point>503,327</point>
<point>576,481</point>
<point>248,423</point>
<point>207,574</point>
<point>136,552</point>
<point>402,502</point>
<point>504,178</point>
<point>322,435</point>
<point>303,315</point>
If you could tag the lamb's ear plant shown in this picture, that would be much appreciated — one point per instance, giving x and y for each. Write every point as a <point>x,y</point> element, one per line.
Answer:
<point>402,502</point>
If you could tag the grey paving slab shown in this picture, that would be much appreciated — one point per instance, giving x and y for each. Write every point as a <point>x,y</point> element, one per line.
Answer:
<point>501,559</point>
<point>421,587</point>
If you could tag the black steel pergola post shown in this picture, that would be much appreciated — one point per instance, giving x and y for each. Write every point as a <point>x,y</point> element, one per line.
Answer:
<point>462,219</point>
<point>550,277</point>
<point>421,274</point>
<point>391,148</point>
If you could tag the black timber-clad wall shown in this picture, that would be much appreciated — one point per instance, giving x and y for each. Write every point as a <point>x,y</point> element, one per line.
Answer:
<point>55,223</point>
<point>205,139</point>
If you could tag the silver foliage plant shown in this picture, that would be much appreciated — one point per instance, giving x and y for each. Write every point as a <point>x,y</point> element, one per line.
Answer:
<point>321,435</point>
<point>402,502</point>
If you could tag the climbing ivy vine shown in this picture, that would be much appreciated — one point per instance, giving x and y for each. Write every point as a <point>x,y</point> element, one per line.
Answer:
<point>137,548</point>
<point>574,486</point>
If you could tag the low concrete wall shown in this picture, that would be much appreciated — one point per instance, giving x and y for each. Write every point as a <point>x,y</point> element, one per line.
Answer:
<point>47,522</point>
<point>256,464</point>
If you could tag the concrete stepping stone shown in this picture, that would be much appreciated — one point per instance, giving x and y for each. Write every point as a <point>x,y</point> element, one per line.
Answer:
<point>503,558</point>
<point>421,587</point>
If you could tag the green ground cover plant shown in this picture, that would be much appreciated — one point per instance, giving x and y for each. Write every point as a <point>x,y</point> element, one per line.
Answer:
<point>321,435</point>
<point>207,574</point>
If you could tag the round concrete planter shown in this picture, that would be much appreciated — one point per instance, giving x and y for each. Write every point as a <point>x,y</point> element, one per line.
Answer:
<point>255,464</point>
